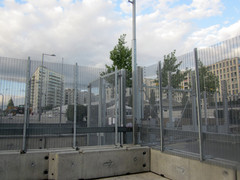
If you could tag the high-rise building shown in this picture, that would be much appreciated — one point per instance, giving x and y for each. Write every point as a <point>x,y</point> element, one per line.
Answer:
<point>228,70</point>
<point>46,90</point>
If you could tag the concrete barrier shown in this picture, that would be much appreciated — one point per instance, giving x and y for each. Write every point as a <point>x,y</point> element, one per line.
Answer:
<point>180,168</point>
<point>88,163</point>
<point>32,165</point>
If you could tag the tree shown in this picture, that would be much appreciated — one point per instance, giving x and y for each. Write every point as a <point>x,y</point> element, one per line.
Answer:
<point>121,57</point>
<point>169,65</point>
<point>81,112</point>
<point>10,104</point>
<point>152,102</point>
<point>208,81</point>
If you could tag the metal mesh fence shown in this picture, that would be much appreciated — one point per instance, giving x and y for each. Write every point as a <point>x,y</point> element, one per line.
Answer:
<point>200,113</point>
<point>47,119</point>
<point>192,108</point>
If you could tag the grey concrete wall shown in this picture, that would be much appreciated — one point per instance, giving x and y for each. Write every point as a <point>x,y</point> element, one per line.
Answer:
<point>180,168</point>
<point>41,142</point>
<point>88,163</point>
<point>32,165</point>
<point>238,174</point>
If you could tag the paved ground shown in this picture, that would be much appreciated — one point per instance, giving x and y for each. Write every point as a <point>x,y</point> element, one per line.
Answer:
<point>140,176</point>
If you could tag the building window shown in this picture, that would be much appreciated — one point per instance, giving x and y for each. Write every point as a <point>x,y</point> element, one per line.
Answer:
<point>223,70</point>
<point>230,62</point>
<point>227,63</point>
<point>220,65</point>
<point>223,64</point>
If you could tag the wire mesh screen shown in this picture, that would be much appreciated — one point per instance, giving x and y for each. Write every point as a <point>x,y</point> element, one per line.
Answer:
<point>49,90</point>
<point>105,109</point>
<point>219,85</point>
<point>150,133</point>
<point>208,126</point>
<point>12,93</point>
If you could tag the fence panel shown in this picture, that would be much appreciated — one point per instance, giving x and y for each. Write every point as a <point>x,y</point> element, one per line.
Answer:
<point>12,92</point>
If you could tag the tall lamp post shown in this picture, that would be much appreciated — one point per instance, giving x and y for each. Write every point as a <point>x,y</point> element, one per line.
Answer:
<point>2,104</point>
<point>134,69</point>
<point>41,94</point>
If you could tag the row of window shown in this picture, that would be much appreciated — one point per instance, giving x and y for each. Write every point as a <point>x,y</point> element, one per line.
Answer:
<point>223,64</point>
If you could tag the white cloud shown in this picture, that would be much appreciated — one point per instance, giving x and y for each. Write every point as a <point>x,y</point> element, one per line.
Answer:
<point>86,31</point>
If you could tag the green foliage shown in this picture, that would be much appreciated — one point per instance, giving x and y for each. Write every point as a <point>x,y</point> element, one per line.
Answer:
<point>10,104</point>
<point>152,99</point>
<point>169,65</point>
<point>208,80</point>
<point>81,112</point>
<point>121,57</point>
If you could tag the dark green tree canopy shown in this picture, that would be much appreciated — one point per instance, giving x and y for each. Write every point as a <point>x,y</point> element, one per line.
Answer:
<point>170,65</point>
<point>81,112</point>
<point>208,81</point>
<point>10,103</point>
<point>121,57</point>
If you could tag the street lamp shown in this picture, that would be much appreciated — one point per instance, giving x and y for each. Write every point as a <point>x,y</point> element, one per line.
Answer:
<point>2,103</point>
<point>40,98</point>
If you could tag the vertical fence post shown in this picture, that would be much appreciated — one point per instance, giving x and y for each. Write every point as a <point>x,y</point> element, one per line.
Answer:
<point>122,104</point>
<point>194,112</point>
<point>26,106</point>
<point>225,106</point>
<point>216,109</point>
<point>160,106</point>
<point>205,109</point>
<point>89,110</point>
<point>100,109</point>
<point>75,105</point>
<point>199,115</point>
<point>171,123</point>
<point>61,103</point>
<point>104,109</point>
<point>116,106</point>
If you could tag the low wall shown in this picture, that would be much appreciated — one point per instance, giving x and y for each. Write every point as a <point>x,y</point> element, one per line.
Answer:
<point>182,168</point>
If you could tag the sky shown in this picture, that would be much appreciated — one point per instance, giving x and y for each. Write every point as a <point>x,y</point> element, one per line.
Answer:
<point>85,31</point>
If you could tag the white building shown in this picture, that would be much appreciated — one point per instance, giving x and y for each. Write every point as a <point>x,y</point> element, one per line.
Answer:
<point>46,91</point>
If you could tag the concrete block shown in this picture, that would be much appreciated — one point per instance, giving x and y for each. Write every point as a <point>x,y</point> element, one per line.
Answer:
<point>32,165</point>
<point>238,174</point>
<point>88,163</point>
<point>175,167</point>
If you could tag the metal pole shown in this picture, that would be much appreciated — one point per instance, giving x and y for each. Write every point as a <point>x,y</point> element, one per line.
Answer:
<point>89,111</point>
<point>116,106</point>
<point>100,110</point>
<point>205,108</point>
<point>225,106</point>
<point>171,123</point>
<point>160,106</point>
<point>199,115</point>
<point>194,112</point>
<point>216,109</point>
<point>26,106</point>
<point>122,103</point>
<point>40,93</point>
<point>75,107</point>
<point>134,68</point>
<point>61,103</point>
<point>103,108</point>
<point>2,104</point>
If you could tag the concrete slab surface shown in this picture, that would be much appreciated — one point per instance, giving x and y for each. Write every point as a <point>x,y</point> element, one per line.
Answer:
<point>140,176</point>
